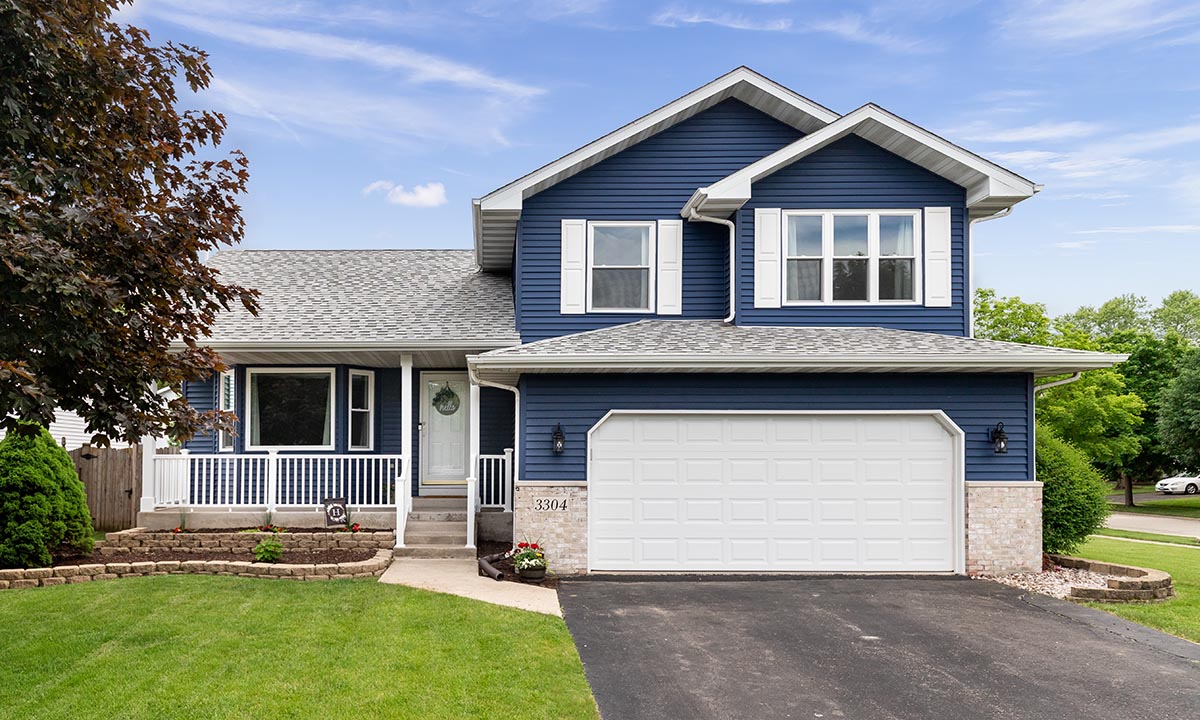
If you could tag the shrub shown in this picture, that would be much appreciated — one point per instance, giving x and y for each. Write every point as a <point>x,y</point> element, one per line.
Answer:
<point>43,508</point>
<point>269,551</point>
<point>1073,498</point>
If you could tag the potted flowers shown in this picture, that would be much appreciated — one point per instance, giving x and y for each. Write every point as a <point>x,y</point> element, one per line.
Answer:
<point>530,561</point>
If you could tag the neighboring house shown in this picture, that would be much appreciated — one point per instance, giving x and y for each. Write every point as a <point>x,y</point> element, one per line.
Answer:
<point>735,335</point>
<point>68,429</point>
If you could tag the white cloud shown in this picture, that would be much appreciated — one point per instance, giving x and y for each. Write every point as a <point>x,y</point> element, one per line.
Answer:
<point>1083,24</point>
<point>1075,244</point>
<point>425,195</point>
<point>422,68</point>
<point>856,29</point>
<point>1038,132</point>
<point>1142,230</point>
<point>852,27</point>
<point>1109,195</point>
<point>674,17</point>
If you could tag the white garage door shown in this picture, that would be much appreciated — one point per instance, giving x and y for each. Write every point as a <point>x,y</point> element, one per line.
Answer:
<point>773,491</point>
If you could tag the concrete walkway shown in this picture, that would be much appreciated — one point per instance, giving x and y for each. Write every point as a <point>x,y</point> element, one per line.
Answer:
<point>1154,524</point>
<point>461,577</point>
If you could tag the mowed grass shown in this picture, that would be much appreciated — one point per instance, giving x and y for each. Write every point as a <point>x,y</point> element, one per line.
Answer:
<point>1178,616</point>
<point>1187,507</point>
<point>1155,537</point>
<point>220,647</point>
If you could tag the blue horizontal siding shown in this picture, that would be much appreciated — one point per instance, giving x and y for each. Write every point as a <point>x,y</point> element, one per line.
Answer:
<point>855,173</point>
<point>649,181</point>
<point>202,396</point>
<point>975,402</point>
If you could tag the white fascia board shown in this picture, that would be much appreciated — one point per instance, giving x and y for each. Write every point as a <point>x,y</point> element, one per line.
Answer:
<point>737,187</point>
<point>1030,363</point>
<point>306,346</point>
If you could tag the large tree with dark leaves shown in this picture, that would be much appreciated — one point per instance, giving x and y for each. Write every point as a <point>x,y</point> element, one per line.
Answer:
<point>110,197</point>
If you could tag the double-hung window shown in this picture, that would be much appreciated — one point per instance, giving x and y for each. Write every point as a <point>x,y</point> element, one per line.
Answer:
<point>851,256</point>
<point>362,410</point>
<point>225,401</point>
<point>620,264</point>
<point>289,408</point>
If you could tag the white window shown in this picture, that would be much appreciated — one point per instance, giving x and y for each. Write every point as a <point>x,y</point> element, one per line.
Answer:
<point>289,408</point>
<point>362,410</point>
<point>851,256</point>
<point>620,266</point>
<point>225,401</point>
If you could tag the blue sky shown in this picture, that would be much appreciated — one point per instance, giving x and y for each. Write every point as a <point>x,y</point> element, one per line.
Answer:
<point>373,124</point>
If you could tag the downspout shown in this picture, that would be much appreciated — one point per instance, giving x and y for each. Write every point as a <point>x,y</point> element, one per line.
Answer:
<point>693,215</point>
<point>970,300</point>
<point>1057,383</point>
<point>516,415</point>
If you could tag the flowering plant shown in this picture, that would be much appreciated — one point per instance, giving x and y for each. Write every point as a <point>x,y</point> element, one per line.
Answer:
<point>350,528</point>
<point>527,556</point>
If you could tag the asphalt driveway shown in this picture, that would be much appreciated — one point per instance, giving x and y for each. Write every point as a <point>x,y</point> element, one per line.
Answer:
<point>869,649</point>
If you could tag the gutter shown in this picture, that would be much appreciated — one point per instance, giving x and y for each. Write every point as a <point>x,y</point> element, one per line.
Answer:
<point>697,217</point>
<point>474,377</point>
<point>970,300</point>
<point>1057,383</point>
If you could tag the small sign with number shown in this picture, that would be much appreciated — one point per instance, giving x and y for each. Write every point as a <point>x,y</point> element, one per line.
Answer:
<point>335,511</point>
<point>550,504</point>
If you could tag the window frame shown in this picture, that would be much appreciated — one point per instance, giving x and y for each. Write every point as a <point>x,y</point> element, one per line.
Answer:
<point>249,433</point>
<point>651,267</point>
<point>369,410</point>
<point>873,257</point>
<point>223,435</point>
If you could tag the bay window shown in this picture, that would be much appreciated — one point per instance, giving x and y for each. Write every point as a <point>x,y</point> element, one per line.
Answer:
<point>289,408</point>
<point>851,256</point>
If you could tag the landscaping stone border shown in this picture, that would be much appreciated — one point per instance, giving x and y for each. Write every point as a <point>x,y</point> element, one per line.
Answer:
<point>1133,584</point>
<point>137,540</point>
<point>69,574</point>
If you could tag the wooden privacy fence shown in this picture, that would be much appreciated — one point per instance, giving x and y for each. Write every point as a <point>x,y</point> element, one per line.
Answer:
<point>112,478</point>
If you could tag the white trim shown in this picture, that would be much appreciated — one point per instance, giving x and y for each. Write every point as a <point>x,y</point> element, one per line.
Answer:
<point>222,435</point>
<point>873,258</point>
<point>331,372</point>
<point>959,480</point>
<point>651,268</point>
<point>1005,484</point>
<point>289,346</point>
<point>369,410</point>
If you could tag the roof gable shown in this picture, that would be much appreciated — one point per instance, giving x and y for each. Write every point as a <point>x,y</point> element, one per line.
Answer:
<point>496,214</point>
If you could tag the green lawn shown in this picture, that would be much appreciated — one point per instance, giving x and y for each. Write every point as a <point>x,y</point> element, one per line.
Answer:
<point>1178,616</point>
<point>1137,490</point>
<point>1187,507</point>
<point>222,647</point>
<point>1156,537</point>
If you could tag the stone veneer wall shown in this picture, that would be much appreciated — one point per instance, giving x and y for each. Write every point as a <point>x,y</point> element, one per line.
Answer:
<point>138,540</point>
<point>70,574</point>
<point>1004,527</point>
<point>563,533</point>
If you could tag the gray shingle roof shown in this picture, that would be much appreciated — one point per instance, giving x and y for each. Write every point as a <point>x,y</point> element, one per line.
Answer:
<point>695,343</point>
<point>364,296</point>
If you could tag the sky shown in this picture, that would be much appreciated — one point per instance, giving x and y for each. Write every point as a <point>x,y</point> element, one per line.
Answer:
<point>372,124</point>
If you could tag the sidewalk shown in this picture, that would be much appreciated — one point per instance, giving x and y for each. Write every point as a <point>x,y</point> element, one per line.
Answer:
<point>461,577</point>
<point>1154,524</point>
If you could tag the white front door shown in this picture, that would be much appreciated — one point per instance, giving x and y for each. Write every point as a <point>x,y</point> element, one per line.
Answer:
<point>445,409</point>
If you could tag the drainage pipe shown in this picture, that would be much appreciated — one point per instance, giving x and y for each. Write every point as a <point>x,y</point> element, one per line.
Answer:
<point>1003,212</point>
<point>695,216</point>
<point>485,564</point>
<point>1057,383</point>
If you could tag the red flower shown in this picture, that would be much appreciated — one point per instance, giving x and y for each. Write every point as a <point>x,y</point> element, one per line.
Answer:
<point>535,546</point>
<point>522,545</point>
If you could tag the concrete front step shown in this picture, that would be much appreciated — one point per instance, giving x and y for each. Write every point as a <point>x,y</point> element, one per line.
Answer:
<point>435,538</point>
<point>435,551</point>
<point>437,516</point>
<point>438,503</point>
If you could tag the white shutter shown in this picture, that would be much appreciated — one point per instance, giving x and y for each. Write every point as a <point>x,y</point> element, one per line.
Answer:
<point>669,285</point>
<point>937,257</point>
<point>768,249</point>
<point>573,275</point>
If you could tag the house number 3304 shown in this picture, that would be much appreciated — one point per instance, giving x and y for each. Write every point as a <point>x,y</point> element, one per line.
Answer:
<point>547,505</point>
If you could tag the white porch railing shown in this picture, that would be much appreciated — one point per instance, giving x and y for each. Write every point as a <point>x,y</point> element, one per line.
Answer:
<point>273,480</point>
<point>496,480</point>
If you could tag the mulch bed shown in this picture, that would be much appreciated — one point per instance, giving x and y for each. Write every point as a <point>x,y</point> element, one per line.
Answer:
<point>289,529</point>
<point>506,566</point>
<point>294,557</point>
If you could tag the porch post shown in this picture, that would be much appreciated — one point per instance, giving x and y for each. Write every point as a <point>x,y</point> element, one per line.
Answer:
<point>473,459</point>
<point>406,445</point>
<point>149,447</point>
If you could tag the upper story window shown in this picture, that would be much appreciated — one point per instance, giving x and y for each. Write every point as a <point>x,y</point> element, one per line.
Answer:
<point>226,402</point>
<point>289,408</point>
<point>362,410</point>
<point>620,266</point>
<point>851,256</point>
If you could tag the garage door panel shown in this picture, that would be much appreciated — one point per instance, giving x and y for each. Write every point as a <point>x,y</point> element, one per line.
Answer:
<point>856,493</point>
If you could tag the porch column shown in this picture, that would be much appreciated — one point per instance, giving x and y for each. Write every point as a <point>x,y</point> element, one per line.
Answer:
<point>149,447</point>
<point>473,459</point>
<point>404,494</point>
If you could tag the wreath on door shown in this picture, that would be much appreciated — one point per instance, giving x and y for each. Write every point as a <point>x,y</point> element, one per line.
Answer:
<point>446,401</point>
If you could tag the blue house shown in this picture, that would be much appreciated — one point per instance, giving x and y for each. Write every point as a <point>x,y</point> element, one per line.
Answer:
<point>732,335</point>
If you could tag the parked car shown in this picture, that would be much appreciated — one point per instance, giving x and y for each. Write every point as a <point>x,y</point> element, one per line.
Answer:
<point>1189,484</point>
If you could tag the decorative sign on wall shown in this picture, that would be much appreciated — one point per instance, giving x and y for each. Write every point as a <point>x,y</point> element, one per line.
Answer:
<point>550,505</point>
<point>335,511</point>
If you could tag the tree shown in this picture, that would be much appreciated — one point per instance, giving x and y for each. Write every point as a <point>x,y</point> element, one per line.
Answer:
<point>109,199</point>
<point>43,508</point>
<point>1097,416</point>
<point>1123,313</point>
<point>1010,319</point>
<point>1179,414</point>
<point>1179,313</point>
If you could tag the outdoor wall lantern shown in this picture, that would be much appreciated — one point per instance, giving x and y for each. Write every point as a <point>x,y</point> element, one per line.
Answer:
<point>559,441</point>
<point>999,439</point>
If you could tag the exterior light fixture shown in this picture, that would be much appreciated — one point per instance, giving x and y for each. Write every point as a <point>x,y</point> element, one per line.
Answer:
<point>559,440</point>
<point>999,439</point>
